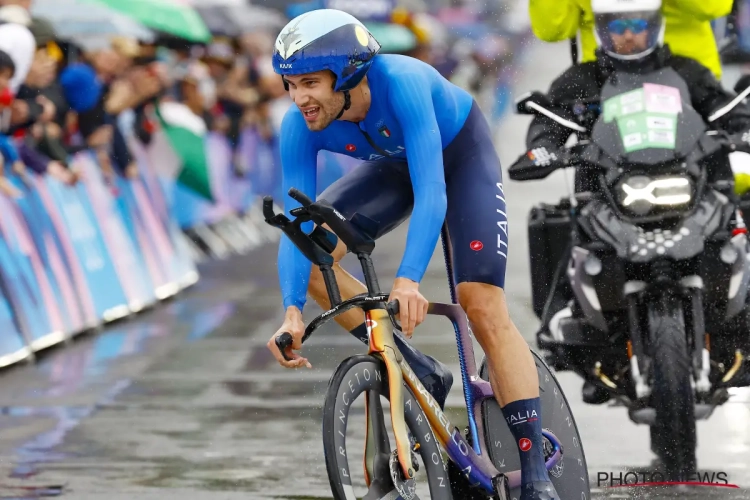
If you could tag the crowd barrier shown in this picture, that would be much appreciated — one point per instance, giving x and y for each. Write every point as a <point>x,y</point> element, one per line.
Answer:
<point>73,258</point>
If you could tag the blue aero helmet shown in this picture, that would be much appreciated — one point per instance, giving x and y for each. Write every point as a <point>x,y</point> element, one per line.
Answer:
<point>326,39</point>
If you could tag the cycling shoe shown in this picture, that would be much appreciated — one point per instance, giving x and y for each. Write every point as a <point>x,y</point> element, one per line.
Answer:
<point>539,490</point>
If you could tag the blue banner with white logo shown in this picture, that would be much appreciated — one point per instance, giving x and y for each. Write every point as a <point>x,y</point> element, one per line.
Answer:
<point>62,308</point>
<point>20,283</point>
<point>86,237</point>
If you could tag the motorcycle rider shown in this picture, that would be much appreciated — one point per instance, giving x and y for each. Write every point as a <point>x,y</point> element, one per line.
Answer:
<point>629,37</point>
<point>688,28</point>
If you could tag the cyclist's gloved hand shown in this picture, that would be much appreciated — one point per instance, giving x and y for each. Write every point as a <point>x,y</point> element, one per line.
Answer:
<point>412,304</point>
<point>529,164</point>
<point>293,325</point>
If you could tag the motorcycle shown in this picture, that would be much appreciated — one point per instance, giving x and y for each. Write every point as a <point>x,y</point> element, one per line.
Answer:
<point>654,259</point>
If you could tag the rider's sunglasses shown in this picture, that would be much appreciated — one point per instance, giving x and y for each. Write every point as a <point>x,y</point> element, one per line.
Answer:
<point>620,26</point>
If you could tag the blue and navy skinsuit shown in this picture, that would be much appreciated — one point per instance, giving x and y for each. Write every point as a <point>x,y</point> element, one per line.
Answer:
<point>433,159</point>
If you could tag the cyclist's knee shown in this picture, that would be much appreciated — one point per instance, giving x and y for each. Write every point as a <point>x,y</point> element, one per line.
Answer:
<point>484,305</point>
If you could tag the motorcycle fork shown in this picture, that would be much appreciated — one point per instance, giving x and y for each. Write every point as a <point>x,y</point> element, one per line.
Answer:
<point>636,353</point>
<point>701,355</point>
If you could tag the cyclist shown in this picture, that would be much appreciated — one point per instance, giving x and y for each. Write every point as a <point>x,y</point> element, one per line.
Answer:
<point>427,151</point>
<point>687,26</point>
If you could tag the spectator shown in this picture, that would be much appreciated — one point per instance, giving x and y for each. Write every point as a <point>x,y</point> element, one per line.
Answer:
<point>8,150</point>
<point>233,92</point>
<point>41,147</point>
<point>17,41</point>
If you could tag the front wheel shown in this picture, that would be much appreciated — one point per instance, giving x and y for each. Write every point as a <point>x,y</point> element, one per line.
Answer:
<point>673,435</point>
<point>367,375</point>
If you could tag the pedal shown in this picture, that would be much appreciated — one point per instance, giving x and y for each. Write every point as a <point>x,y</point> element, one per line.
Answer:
<point>502,489</point>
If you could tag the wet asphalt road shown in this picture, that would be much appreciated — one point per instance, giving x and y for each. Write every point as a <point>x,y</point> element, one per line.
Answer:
<point>185,402</point>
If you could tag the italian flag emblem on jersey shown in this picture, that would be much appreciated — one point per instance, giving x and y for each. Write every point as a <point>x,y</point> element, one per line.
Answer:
<point>384,131</point>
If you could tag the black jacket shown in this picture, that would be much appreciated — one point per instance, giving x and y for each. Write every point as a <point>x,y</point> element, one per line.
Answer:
<point>585,81</point>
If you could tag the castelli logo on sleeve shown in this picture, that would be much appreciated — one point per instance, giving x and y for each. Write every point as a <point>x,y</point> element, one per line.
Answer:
<point>524,444</point>
<point>351,148</point>
<point>476,245</point>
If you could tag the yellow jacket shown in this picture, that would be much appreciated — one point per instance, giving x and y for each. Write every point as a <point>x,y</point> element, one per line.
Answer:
<point>688,31</point>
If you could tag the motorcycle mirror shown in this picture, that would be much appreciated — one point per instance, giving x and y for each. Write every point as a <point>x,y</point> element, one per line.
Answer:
<point>536,97</point>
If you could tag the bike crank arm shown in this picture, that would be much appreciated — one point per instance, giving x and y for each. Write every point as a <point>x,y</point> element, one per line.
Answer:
<point>382,343</point>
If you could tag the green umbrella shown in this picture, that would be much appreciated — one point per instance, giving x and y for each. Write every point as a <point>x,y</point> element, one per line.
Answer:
<point>393,38</point>
<point>169,16</point>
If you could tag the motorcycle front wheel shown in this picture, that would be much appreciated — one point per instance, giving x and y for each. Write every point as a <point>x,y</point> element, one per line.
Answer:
<point>673,434</point>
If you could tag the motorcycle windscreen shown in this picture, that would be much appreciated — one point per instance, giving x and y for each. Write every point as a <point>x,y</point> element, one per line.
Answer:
<point>647,119</point>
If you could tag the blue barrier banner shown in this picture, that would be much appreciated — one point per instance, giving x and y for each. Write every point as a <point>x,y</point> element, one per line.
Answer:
<point>51,250</point>
<point>102,280</point>
<point>128,213</point>
<point>120,247</point>
<point>80,292</point>
<point>12,346</point>
<point>48,247</point>
<point>160,239</point>
<point>38,277</point>
<point>20,283</point>
<point>155,199</point>
<point>157,259</point>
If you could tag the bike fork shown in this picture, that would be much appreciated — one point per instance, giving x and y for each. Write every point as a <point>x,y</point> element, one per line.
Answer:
<point>382,343</point>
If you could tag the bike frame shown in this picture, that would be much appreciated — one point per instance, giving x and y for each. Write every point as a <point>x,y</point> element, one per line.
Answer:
<point>473,461</point>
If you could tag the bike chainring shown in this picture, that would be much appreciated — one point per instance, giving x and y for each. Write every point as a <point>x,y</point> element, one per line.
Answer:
<point>406,488</point>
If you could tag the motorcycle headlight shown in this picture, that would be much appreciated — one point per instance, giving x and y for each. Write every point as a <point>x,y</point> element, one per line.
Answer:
<point>640,194</point>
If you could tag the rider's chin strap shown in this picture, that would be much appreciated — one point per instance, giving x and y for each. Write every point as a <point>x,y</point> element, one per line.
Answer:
<point>347,104</point>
